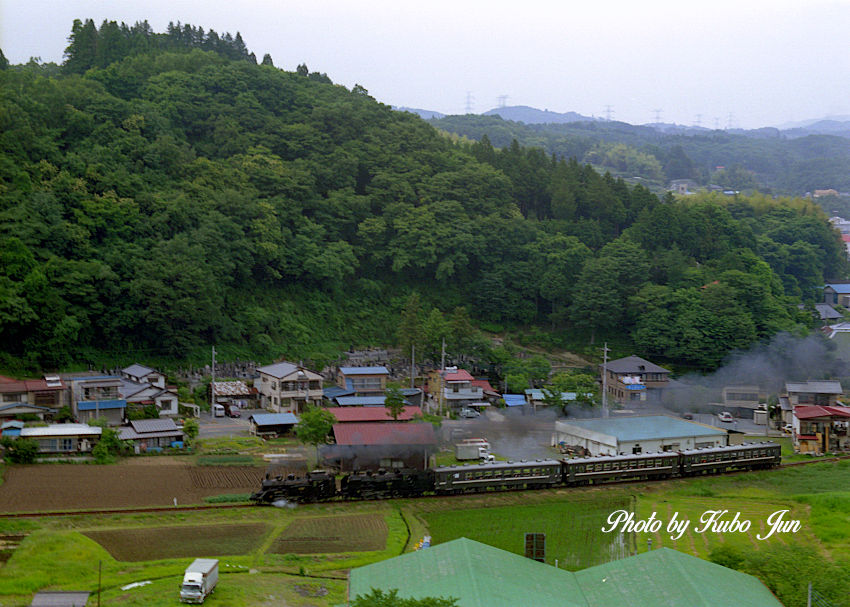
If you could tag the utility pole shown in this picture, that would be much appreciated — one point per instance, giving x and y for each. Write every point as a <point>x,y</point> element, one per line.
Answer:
<point>212,385</point>
<point>412,364</point>
<point>442,375</point>
<point>605,380</point>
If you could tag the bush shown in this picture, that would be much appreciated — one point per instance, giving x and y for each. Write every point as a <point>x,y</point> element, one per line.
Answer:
<point>19,450</point>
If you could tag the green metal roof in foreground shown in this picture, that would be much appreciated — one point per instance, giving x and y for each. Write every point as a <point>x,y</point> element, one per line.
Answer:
<point>668,578</point>
<point>482,576</point>
<point>476,574</point>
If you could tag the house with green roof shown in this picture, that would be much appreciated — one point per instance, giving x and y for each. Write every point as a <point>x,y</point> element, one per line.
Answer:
<point>479,575</point>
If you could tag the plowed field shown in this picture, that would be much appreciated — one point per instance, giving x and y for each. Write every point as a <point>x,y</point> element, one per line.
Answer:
<point>353,533</point>
<point>155,543</point>
<point>81,487</point>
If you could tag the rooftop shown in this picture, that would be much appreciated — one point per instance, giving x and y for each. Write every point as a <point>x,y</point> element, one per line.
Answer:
<point>633,365</point>
<point>285,369</point>
<point>137,370</point>
<point>165,424</point>
<point>389,433</point>
<point>816,411</point>
<point>274,419</point>
<point>815,387</point>
<point>642,427</point>
<point>61,430</point>
<point>232,388</point>
<point>840,288</point>
<point>364,371</point>
<point>372,414</point>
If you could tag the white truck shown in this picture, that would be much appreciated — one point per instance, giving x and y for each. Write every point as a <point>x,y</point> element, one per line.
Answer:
<point>473,448</point>
<point>199,580</point>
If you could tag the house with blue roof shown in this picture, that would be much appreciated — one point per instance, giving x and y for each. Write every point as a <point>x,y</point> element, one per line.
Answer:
<point>637,434</point>
<point>837,293</point>
<point>95,396</point>
<point>364,381</point>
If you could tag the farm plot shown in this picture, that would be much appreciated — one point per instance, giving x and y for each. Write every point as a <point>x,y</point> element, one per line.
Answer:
<point>157,543</point>
<point>42,487</point>
<point>324,535</point>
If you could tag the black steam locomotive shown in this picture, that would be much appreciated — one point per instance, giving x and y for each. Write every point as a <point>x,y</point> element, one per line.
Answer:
<point>321,485</point>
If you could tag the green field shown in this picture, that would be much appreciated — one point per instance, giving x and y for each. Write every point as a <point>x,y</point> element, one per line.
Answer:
<point>257,568</point>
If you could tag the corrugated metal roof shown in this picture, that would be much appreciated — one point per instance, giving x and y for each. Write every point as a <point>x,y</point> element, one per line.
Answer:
<point>274,419</point>
<point>334,391</point>
<point>232,388</point>
<point>389,433</point>
<point>284,369</point>
<point>673,579</point>
<point>476,574</point>
<point>642,427</point>
<point>514,400</point>
<point>843,288</point>
<point>137,370</point>
<point>94,405</point>
<point>372,414</point>
<point>815,387</point>
<point>814,411</point>
<point>61,430</point>
<point>362,401</point>
<point>364,371</point>
<point>126,433</point>
<point>165,424</point>
<point>633,364</point>
<point>459,375</point>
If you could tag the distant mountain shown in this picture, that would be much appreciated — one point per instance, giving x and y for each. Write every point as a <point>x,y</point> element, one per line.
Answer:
<point>530,115</point>
<point>424,114</point>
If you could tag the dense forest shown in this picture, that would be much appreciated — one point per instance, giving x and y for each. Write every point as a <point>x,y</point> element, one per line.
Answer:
<point>164,192</point>
<point>765,160</point>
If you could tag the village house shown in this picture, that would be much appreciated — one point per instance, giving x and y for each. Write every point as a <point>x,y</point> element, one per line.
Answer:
<point>820,429</point>
<point>349,415</point>
<point>285,387</point>
<point>39,397</point>
<point>148,434</point>
<point>63,438</point>
<point>813,392</point>
<point>634,379</point>
<point>454,388</point>
<point>367,446</point>
<point>363,380</point>
<point>271,425</point>
<point>95,396</point>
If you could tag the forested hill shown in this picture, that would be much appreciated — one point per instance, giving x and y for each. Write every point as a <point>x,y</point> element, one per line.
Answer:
<point>765,160</point>
<point>178,197</point>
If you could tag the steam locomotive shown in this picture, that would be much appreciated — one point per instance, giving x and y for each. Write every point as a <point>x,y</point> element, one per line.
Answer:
<point>321,485</point>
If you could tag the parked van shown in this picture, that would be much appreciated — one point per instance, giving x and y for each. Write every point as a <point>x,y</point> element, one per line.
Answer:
<point>218,410</point>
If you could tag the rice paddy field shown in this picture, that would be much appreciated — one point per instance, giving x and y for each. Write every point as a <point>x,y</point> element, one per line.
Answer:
<point>300,556</point>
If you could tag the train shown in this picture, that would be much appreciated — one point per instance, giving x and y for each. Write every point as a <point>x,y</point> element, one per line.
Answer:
<point>322,485</point>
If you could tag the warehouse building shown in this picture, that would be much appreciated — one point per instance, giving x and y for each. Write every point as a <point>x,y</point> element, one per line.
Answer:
<point>642,434</point>
<point>479,575</point>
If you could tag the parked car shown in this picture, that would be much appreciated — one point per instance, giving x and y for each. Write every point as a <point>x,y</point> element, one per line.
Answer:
<point>467,412</point>
<point>233,413</point>
<point>687,416</point>
<point>725,417</point>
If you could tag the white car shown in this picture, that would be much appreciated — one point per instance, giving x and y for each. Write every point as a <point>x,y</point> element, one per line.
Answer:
<point>469,413</point>
<point>725,417</point>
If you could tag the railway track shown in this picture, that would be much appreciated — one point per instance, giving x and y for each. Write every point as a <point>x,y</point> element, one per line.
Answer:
<point>243,505</point>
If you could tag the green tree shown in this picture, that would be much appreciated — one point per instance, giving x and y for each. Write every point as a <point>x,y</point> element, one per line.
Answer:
<point>314,427</point>
<point>267,60</point>
<point>379,598</point>
<point>191,429</point>
<point>109,446</point>
<point>19,450</point>
<point>394,402</point>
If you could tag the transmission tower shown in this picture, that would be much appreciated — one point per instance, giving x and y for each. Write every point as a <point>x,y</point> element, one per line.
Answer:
<point>698,121</point>
<point>657,114</point>
<point>730,121</point>
<point>469,102</point>
<point>502,99</point>
<point>609,111</point>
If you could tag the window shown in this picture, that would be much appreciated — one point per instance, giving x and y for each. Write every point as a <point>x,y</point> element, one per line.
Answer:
<point>274,385</point>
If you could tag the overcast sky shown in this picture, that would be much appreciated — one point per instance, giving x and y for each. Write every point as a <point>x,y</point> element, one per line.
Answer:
<point>747,63</point>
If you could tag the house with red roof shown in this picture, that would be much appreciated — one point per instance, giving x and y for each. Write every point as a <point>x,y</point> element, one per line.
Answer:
<point>820,429</point>
<point>369,446</point>
<point>454,388</point>
<point>39,397</point>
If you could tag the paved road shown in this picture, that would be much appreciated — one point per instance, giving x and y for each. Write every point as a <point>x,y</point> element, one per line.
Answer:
<point>225,426</point>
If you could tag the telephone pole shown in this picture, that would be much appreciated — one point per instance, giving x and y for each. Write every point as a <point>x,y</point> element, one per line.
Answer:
<point>212,385</point>
<point>605,380</point>
<point>442,375</point>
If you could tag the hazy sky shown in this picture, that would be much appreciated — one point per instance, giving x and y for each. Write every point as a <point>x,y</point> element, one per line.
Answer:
<point>747,63</point>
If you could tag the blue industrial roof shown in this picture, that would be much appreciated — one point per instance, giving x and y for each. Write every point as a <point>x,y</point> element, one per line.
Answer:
<point>644,427</point>
<point>334,391</point>
<point>94,405</point>
<point>274,419</point>
<point>364,371</point>
<point>538,395</point>
<point>363,401</point>
<point>514,400</point>
<point>841,288</point>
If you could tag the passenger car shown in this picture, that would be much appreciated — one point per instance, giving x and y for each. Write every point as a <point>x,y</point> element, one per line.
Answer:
<point>469,413</point>
<point>725,417</point>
